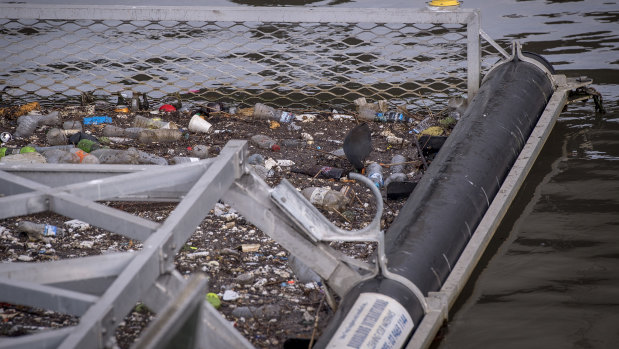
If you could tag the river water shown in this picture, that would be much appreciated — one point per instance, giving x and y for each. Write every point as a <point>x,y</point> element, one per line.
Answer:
<point>550,278</point>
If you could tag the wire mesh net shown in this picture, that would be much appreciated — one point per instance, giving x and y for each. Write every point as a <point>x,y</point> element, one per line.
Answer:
<point>285,64</point>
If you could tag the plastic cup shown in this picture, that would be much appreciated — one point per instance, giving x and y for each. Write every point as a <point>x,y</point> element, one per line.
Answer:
<point>198,124</point>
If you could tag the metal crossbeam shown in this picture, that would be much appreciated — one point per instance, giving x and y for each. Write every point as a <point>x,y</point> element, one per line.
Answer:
<point>43,296</point>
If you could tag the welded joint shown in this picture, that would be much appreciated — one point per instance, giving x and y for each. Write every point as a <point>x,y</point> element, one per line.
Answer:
<point>438,302</point>
<point>517,54</point>
<point>107,325</point>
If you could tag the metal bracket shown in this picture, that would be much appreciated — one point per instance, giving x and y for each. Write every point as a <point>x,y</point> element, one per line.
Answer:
<point>316,227</point>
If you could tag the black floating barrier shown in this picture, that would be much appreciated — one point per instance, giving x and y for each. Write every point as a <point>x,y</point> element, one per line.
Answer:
<point>433,227</point>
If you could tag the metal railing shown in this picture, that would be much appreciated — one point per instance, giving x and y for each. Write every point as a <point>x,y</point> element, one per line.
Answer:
<point>283,55</point>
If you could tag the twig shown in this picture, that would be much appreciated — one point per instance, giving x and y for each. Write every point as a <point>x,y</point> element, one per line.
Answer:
<point>311,343</point>
<point>423,159</point>
<point>341,215</point>
<point>399,163</point>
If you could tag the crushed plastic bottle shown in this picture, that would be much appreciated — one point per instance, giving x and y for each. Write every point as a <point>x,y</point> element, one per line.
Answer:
<point>424,124</point>
<point>116,156</point>
<point>37,231</point>
<point>265,142</point>
<point>27,124</point>
<point>397,170</point>
<point>375,173</point>
<point>327,198</point>
<point>264,112</point>
<point>56,136</point>
<point>59,156</point>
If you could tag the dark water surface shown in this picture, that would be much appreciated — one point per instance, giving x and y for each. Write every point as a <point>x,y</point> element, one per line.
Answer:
<point>550,278</point>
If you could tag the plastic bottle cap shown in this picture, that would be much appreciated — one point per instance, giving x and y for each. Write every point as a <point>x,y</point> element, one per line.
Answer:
<point>167,108</point>
<point>275,147</point>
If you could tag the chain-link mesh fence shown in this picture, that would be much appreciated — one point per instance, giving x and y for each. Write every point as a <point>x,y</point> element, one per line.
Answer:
<point>291,64</point>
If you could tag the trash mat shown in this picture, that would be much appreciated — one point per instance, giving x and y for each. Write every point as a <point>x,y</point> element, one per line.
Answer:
<point>255,288</point>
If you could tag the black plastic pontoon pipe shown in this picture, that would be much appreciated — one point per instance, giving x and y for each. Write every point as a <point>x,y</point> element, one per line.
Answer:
<point>433,227</point>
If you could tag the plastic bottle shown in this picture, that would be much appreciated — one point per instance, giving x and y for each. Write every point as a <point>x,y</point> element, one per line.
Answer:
<point>154,123</point>
<point>115,131</point>
<point>135,103</point>
<point>71,127</point>
<point>255,159</point>
<point>66,147</point>
<point>375,172</point>
<point>121,99</point>
<point>265,142</point>
<point>150,159</point>
<point>144,105</point>
<point>26,127</point>
<point>24,158</point>
<point>199,151</point>
<point>183,159</point>
<point>85,158</point>
<point>321,171</point>
<point>371,115</point>
<point>116,156</point>
<point>159,135</point>
<point>397,170</point>
<point>326,198</point>
<point>424,124</point>
<point>264,112</point>
<point>38,231</point>
<point>56,136</point>
<point>59,156</point>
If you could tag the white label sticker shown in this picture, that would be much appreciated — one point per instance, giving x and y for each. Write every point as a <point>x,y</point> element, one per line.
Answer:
<point>374,321</point>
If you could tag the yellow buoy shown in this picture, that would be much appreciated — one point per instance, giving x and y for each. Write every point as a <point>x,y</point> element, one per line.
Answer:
<point>444,3</point>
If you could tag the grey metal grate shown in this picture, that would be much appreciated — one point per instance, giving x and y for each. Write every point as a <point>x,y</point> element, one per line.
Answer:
<point>303,59</point>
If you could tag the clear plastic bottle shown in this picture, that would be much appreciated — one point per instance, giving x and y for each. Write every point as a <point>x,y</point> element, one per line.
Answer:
<point>199,151</point>
<point>265,142</point>
<point>154,123</point>
<point>327,198</point>
<point>37,231</point>
<point>375,172</point>
<point>147,158</point>
<point>116,156</point>
<point>184,159</point>
<point>263,111</point>
<point>159,135</point>
<point>59,156</point>
<point>424,124</point>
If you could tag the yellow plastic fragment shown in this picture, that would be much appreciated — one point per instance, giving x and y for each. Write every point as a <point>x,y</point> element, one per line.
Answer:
<point>432,131</point>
